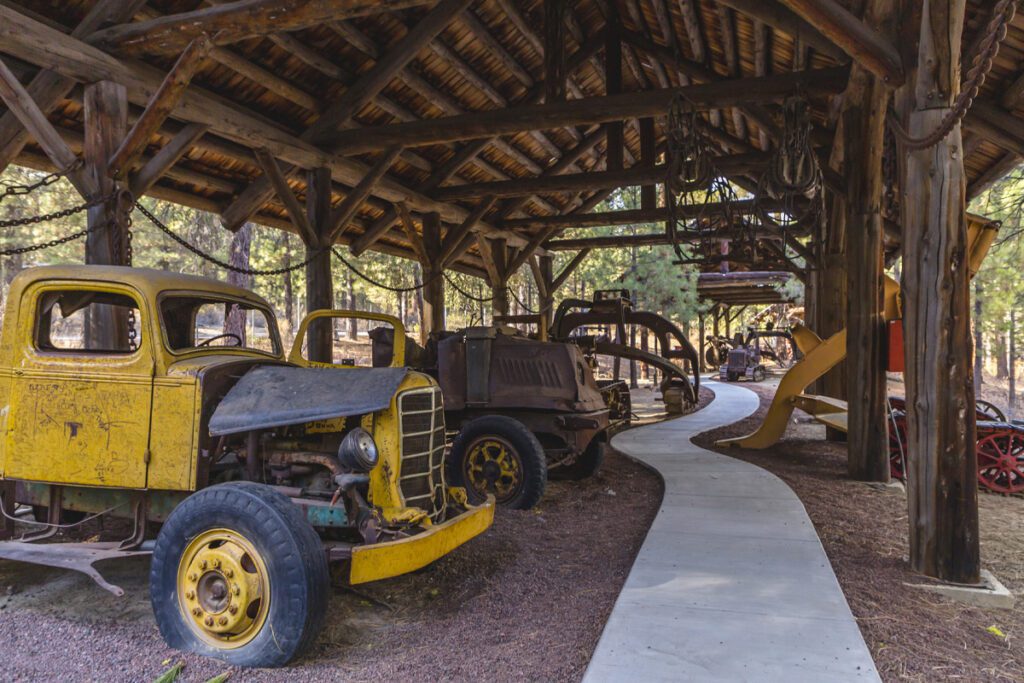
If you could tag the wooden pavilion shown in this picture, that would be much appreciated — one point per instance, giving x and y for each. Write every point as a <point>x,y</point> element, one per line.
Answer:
<point>468,134</point>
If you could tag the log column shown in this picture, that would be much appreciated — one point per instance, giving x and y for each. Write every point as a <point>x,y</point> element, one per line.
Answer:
<point>319,278</point>
<point>546,292</point>
<point>106,123</point>
<point>499,284</point>
<point>864,108</point>
<point>433,290</point>
<point>942,487</point>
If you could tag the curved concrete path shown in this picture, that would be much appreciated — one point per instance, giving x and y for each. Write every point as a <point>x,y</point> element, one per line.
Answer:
<point>731,583</point>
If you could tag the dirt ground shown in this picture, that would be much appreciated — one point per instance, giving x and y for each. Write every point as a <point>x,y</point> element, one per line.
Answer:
<point>913,635</point>
<point>525,601</point>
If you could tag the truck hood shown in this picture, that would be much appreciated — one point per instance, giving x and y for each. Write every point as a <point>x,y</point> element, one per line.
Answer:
<point>280,395</point>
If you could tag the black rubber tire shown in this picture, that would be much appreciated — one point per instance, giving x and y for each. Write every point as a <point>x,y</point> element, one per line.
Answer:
<point>759,374</point>
<point>587,465</point>
<point>294,557</point>
<point>732,377</point>
<point>527,448</point>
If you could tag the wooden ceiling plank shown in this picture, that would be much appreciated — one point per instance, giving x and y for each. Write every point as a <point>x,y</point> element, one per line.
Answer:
<point>781,18</point>
<point>235,21</point>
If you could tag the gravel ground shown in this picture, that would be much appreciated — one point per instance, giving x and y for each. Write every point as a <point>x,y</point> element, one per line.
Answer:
<point>913,635</point>
<point>525,601</point>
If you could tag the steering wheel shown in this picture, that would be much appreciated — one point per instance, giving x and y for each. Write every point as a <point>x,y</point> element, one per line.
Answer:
<point>207,342</point>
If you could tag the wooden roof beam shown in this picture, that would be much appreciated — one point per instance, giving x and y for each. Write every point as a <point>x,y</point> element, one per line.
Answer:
<point>736,164</point>
<point>20,103</point>
<point>160,105</point>
<point>48,88</point>
<point>153,169</point>
<point>778,16</point>
<point>592,110</point>
<point>234,21</point>
<point>298,216</point>
<point>864,45</point>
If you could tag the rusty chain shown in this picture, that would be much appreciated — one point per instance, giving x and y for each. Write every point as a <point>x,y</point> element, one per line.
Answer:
<point>63,213</point>
<point>216,261</point>
<point>981,65</point>
<point>16,190</point>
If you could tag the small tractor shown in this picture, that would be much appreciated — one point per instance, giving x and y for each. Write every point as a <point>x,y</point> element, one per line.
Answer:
<point>518,409</point>
<point>164,399</point>
<point>743,362</point>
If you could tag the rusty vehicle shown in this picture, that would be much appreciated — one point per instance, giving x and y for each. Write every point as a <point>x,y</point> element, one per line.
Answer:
<point>614,309</point>
<point>127,395</point>
<point>743,362</point>
<point>518,409</point>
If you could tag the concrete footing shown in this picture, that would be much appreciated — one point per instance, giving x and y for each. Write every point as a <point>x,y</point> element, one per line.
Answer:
<point>990,593</point>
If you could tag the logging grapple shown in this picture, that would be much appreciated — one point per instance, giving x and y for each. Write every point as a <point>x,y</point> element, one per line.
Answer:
<point>999,447</point>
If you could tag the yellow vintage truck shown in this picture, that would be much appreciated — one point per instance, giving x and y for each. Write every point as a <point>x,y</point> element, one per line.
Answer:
<point>168,401</point>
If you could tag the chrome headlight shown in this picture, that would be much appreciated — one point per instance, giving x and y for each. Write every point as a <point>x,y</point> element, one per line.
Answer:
<point>358,451</point>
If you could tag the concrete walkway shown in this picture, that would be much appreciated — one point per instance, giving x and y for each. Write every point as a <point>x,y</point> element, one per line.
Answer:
<point>731,583</point>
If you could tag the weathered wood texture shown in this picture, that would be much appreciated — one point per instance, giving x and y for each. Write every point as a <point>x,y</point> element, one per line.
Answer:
<point>319,277</point>
<point>866,46</point>
<point>942,487</point>
<point>591,110</point>
<point>864,110</point>
<point>235,21</point>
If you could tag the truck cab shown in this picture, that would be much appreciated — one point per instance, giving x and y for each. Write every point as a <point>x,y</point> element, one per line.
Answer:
<point>164,398</point>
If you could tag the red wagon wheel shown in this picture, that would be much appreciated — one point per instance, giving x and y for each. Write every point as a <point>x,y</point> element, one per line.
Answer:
<point>1001,461</point>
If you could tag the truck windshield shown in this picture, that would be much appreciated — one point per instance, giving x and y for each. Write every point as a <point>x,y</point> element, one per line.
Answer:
<point>194,322</point>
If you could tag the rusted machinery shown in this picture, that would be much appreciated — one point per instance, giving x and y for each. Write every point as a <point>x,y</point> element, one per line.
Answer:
<point>776,345</point>
<point>999,448</point>
<point>743,362</point>
<point>518,409</point>
<point>128,395</point>
<point>614,309</point>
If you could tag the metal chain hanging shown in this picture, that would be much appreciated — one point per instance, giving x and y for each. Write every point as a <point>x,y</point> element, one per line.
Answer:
<point>693,180</point>
<point>44,218</point>
<point>793,175</point>
<point>16,190</point>
<point>981,65</point>
<point>216,261</point>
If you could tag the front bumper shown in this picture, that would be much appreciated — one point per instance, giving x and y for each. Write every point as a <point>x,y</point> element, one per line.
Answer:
<point>394,558</point>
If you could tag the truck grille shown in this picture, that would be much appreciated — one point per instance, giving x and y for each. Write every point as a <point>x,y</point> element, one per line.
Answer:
<point>421,479</point>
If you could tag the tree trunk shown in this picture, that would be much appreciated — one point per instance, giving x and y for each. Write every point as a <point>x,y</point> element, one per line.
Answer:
<point>289,292</point>
<point>1012,362</point>
<point>1002,369</point>
<point>350,288</point>
<point>238,256</point>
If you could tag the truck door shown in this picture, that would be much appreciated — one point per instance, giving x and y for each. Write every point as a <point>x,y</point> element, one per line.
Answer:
<point>82,387</point>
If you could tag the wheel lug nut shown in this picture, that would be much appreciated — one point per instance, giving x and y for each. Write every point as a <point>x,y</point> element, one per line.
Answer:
<point>193,577</point>
<point>233,609</point>
<point>189,595</point>
<point>236,589</point>
<point>229,572</point>
<point>209,621</point>
<point>197,612</point>
<point>202,564</point>
<point>216,564</point>
<point>223,621</point>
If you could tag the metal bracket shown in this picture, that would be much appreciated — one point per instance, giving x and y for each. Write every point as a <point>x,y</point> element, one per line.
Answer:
<point>79,557</point>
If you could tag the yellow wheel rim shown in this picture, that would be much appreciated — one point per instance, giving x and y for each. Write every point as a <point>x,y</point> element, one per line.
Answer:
<point>223,588</point>
<point>492,466</point>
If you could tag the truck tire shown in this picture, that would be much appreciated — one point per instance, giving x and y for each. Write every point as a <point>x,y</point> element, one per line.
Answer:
<point>759,374</point>
<point>587,465</point>
<point>231,531</point>
<point>499,455</point>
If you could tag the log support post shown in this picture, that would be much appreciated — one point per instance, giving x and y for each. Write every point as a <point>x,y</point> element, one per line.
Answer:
<point>864,110</point>
<point>106,121</point>
<point>319,277</point>
<point>433,290</point>
<point>543,275</point>
<point>499,282</point>
<point>831,304</point>
<point>942,486</point>
<point>648,157</point>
